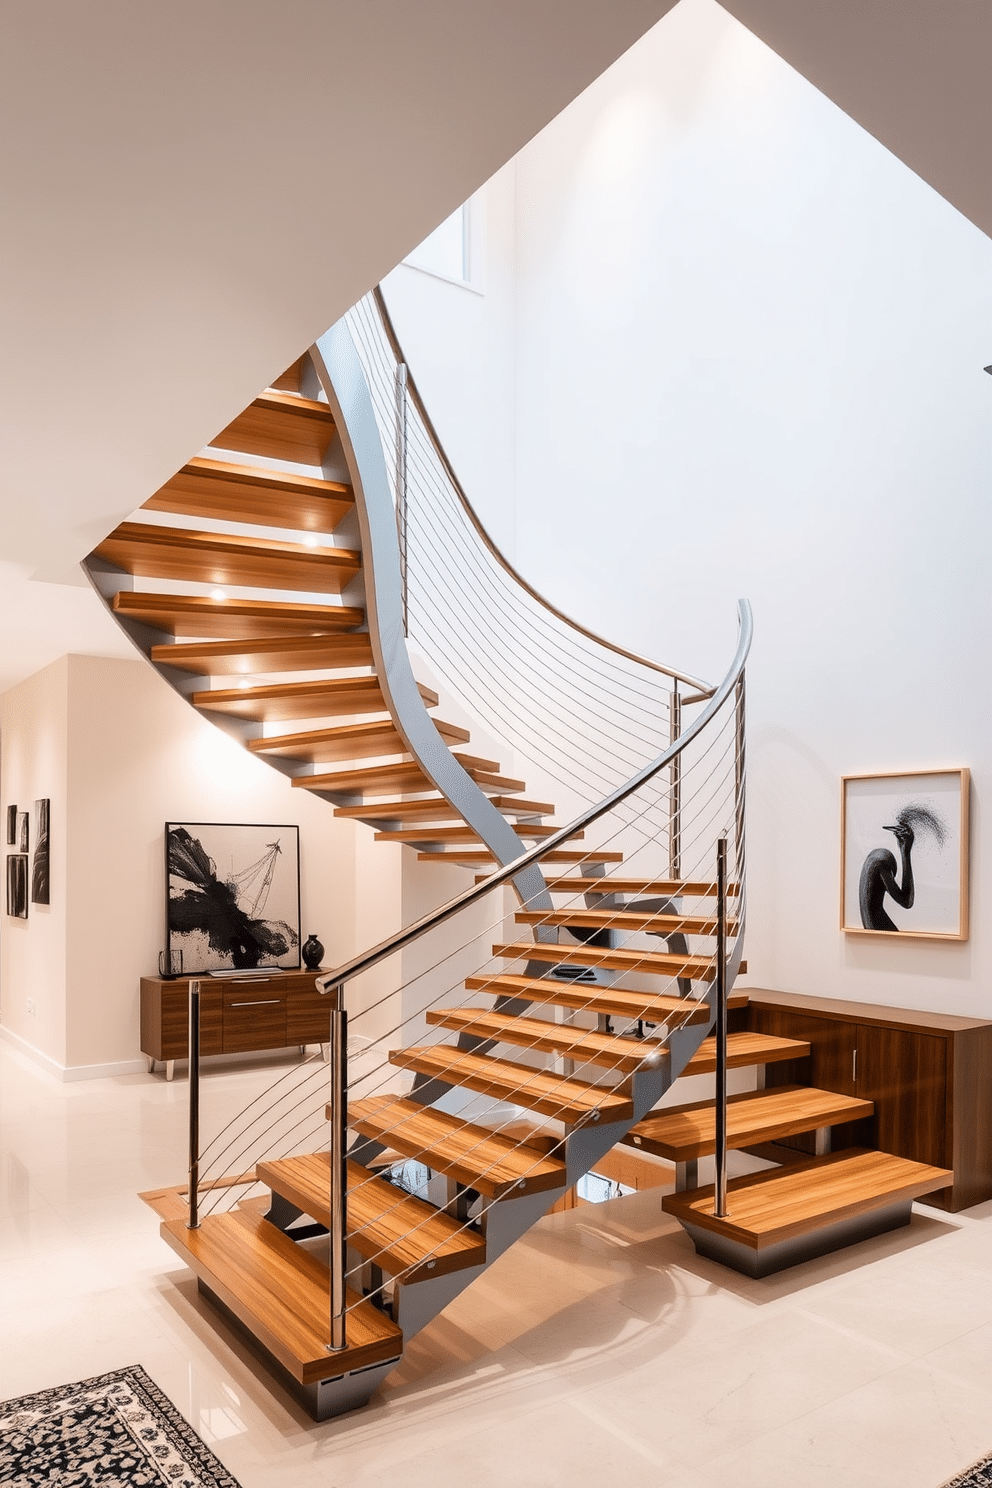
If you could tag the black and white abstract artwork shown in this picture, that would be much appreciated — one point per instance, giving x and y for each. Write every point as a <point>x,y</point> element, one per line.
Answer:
<point>233,895</point>
<point>11,826</point>
<point>39,863</point>
<point>17,885</point>
<point>905,854</point>
<point>23,832</point>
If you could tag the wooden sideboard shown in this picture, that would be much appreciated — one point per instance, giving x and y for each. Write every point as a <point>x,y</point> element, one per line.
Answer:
<point>238,1015</point>
<point>928,1074</point>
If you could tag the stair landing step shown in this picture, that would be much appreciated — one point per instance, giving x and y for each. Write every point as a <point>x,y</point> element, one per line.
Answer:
<point>233,619</point>
<point>402,1234</point>
<point>279,1291</point>
<point>492,1164</point>
<point>623,1055</point>
<point>681,1133</point>
<point>805,1201</point>
<point>614,1002</point>
<point>246,493</point>
<point>572,1101</point>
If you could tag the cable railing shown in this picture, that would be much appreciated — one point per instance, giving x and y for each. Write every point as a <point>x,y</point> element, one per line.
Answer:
<point>656,805</point>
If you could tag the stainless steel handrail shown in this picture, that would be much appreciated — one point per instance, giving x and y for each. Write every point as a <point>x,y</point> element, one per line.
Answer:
<point>705,689</point>
<point>410,933</point>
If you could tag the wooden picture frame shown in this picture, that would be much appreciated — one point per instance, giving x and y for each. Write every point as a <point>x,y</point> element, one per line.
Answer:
<point>232,896</point>
<point>904,854</point>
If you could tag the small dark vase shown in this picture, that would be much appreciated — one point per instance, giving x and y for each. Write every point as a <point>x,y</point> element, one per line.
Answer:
<point>313,953</point>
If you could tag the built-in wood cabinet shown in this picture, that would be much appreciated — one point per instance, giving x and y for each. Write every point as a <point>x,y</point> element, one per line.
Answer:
<point>928,1074</point>
<point>238,1015</point>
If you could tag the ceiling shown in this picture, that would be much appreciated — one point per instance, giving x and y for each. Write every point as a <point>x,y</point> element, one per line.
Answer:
<point>192,193</point>
<point>914,73</point>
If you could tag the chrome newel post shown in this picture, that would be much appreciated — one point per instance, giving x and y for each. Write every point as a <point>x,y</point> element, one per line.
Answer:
<point>675,799</point>
<point>193,1222</point>
<point>720,1189</point>
<point>339,1172</point>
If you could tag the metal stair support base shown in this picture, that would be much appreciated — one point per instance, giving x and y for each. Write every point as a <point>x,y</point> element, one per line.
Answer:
<point>418,1303</point>
<point>784,1253</point>
<point>326,1398</point>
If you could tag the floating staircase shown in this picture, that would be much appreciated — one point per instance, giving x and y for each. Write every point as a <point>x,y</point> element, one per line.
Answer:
<point>328,546</point>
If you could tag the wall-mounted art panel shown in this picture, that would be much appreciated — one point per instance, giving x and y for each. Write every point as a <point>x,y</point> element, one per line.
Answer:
<point>233,895</point>
<point>17,885</point>
<point>40,864</point>
<point>904,854</point>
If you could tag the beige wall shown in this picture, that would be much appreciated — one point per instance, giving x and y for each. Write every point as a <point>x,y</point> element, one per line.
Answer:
<point>34,763</point>
<point>120,754</point>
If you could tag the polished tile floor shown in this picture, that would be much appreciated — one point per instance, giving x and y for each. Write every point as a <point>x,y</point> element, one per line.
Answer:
<point>599,1351</point>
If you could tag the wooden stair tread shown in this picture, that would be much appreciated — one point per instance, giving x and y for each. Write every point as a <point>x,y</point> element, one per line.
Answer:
<point>247,493</point>
<point>286,700</point>
<point>620,919</point>
<point>623,1055</point>
<point>470,859</point>
<point>667,887</point>
<point>696,968</point>
<point>347,741</point>
<point>291,380</point>
<point>745,1049</point>
<point>435,808</point>
<point>397,1231</point>
<point>267,654</point>
<point>233,619</point>
<point>613,1001</point>
<point>680,1133</point>
<point>567,1100</point>
<point>778,1204</point>
<point>484,1160</point>
<point>280,426</point>
<point>150,551</point>
<point>427,833</point>
<point>280,1292</point>
<point>384,780</point>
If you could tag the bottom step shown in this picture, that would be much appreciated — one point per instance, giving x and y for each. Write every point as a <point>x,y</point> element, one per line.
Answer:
<point>278,1292</point>
<point>778,1218</point>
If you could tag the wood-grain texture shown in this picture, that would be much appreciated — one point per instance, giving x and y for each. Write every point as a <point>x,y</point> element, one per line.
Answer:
<point>487,1161</point>
<point>206,558</point>
<point>243,493</point>
<point>680,1133</point>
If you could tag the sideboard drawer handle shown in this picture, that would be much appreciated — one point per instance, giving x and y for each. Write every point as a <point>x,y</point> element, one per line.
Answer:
<point>251,979</point>
<point>262,1002</point>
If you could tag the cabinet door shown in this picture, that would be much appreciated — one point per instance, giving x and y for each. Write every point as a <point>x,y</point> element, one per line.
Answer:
<point>905,1074</point>
<point>254,1018</point>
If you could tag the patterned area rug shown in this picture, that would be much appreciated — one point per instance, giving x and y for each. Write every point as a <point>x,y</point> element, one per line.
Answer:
<point>979,1475</point>
<point>116,1429</point>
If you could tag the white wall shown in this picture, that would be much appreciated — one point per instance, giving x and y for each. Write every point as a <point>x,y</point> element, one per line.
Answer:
<point>120,754</point>
<point>746,360</point>
<point>750,345</point>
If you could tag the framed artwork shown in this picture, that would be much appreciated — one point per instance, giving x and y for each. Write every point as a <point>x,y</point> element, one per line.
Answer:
<point>17,885</point>
<point>39,863</point>
<point>23,832</point>
<point>233,896</point>
<point>11,826</point>
<point>904,854</point>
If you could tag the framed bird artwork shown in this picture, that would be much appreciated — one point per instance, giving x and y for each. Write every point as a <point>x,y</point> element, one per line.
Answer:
<point>904,854</point>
